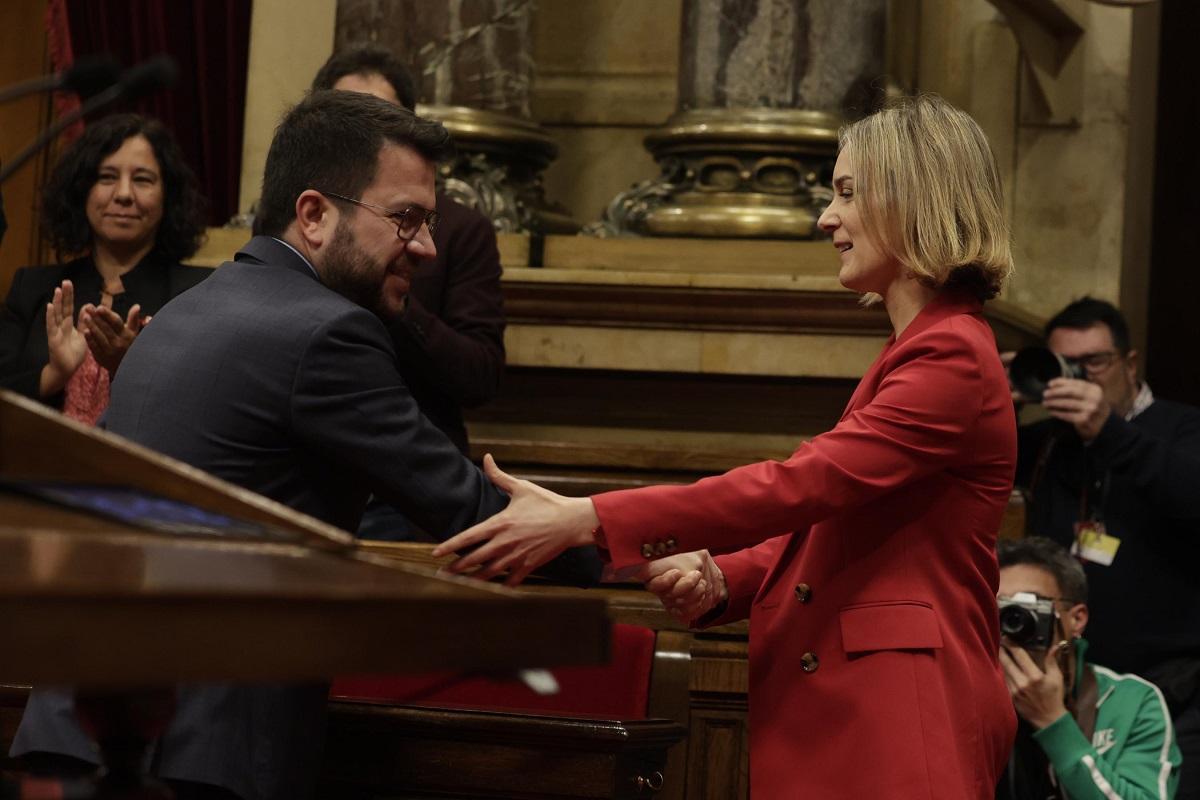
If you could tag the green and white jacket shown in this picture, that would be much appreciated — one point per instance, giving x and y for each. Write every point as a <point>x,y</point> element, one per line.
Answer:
<point>1132,755</point>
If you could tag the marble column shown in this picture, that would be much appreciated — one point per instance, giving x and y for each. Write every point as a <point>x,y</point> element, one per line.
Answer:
<point>763,87</point>
<point>472,65</point>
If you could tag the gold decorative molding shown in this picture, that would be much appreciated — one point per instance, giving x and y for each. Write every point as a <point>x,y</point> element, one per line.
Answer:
<point>497,170</point>
<point>731,172</point>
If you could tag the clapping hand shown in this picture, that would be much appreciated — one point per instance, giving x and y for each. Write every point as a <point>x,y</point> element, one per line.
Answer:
<point>107,335</point>
<point>65,343</point>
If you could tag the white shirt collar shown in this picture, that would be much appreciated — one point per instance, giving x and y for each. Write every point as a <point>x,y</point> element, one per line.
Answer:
<point>302,258</point>
<point>1144,399</point>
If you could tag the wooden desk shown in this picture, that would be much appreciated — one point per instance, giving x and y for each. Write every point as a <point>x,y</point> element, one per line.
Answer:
<point>112,606</point>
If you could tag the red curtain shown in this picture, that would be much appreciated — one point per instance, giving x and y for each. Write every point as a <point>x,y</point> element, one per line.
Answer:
<point>58,39</point>
<point>210,41</point>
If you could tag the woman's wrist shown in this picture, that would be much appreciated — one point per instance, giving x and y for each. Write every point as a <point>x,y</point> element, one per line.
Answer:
<point>588,522</point>
<point>51,381</point>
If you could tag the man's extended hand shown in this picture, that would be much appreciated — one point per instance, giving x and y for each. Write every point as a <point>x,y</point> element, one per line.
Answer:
<point>1081,403</point>
<point>537,525</point>
<point>1038,693</point>
<point>689,585</point>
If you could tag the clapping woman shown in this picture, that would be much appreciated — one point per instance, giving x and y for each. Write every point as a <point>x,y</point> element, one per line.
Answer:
<point>865,561</point>
<point>124,207</point>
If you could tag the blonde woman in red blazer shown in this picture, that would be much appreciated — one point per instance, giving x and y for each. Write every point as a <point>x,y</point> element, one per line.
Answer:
<point>866,561</point>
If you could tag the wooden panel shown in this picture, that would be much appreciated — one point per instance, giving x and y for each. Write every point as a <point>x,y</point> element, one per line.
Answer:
<point>670,699</point>
<point>142,609</point>
<point>720,664</point>
<point>23,56</point>
<point>673,307</point>
<point>406,752</point>
<point>718,754</point>
<point>647,402</point>
<point>748,256</point>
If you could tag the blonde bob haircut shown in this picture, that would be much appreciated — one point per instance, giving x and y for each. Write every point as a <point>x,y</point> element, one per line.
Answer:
<point>928,190</point>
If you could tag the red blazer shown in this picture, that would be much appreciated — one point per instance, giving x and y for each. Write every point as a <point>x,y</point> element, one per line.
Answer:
<point>871,588</point>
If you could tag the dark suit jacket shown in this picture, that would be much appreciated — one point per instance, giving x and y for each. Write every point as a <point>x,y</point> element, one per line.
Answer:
<point>450,339</point>
<point>264,377</point>
<point>23,351</point>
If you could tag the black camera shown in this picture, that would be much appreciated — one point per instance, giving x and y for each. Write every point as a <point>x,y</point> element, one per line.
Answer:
<point>1034,367</point>
<point>1028,621</point>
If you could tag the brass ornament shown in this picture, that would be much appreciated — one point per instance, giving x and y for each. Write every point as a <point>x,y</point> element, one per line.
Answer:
<point>498,169</point>
<point>731,173</point>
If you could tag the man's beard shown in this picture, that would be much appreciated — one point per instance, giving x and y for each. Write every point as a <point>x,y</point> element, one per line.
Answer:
<point>353,274</point>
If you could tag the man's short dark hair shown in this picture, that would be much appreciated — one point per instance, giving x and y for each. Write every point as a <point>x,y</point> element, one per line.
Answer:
<point>1088,311</point>
<point>64,197</point>
<point>1038,551</point>
<point>330,142</point>
<point>368,60</point>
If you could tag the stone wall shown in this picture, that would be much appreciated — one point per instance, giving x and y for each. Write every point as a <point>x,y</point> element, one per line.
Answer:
<point>606,74</point>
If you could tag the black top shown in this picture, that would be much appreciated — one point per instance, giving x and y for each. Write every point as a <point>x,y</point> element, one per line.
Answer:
<point>1142,479</point>
<point>23,349</point>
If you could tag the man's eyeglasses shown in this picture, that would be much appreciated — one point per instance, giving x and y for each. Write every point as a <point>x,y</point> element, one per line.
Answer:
<point>408,221</point>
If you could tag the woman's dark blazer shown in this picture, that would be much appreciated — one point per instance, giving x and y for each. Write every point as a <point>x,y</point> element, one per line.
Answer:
<point>23,350</point>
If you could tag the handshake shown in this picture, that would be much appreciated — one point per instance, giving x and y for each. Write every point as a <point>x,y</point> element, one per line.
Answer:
<point>689,585</point>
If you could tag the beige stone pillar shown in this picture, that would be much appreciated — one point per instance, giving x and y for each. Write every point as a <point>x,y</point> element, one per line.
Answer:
<point>289,41</point>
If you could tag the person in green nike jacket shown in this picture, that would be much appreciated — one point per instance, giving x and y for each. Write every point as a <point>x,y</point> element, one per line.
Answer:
<point>1085,731</point>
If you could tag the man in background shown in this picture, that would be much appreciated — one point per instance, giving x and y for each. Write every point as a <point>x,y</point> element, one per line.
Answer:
<point>1086,732</point>
<point>449,337</point>
<point>1114,475</point>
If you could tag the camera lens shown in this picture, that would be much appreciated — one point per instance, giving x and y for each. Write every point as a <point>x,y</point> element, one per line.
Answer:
<point>1017,623</point>
<point>1034,367</point>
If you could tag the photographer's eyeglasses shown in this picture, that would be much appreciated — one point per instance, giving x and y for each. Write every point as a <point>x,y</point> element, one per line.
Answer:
<point>1097,362</point>
<point>408,221</point>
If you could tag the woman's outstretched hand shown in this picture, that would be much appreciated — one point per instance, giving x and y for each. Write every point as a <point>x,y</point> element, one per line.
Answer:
<point>689,585</point>
<point>64,341</point>
<point>537,525</point>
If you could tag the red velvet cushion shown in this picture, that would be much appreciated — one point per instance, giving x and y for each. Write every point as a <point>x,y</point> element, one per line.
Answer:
<point>618,690</point>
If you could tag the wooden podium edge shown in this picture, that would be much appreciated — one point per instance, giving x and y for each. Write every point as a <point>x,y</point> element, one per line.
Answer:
<point>38,443</point>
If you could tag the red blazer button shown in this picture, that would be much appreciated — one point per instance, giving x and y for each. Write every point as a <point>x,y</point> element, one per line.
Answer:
<point>809,662</point>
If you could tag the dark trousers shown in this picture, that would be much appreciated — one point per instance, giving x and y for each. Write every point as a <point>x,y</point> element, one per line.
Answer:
<point>1179,680</point>
<point>1187,733</point>
<point>73,770</point>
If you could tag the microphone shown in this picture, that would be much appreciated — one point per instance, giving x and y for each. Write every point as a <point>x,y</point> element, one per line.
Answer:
<point>159,72</point>
<point>88,76</point>
<point>156,73</point>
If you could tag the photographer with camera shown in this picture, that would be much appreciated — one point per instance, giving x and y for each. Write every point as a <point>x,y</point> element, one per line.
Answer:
<point>1085,731</point>
<point>1114,475</point>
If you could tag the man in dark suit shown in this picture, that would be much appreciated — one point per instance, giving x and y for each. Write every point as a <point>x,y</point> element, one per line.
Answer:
<point>278,374</point>
<point>449,338</point>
